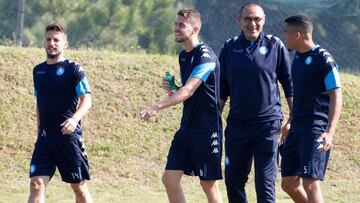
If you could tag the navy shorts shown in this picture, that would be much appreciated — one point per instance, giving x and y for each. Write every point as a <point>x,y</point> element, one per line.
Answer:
<point>301,156</point>
<point>197,154</point>
<point>68,155</point>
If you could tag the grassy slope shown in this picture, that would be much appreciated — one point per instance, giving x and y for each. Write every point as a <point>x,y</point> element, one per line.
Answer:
<point>127,155</point>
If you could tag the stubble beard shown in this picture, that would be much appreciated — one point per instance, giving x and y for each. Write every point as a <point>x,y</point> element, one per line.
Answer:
<point>182,39</point>
<point>52,55</point>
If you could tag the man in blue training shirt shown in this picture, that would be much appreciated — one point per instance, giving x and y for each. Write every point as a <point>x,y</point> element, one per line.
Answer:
<point>251,66</point>
<point>63,98</point>
<point>197,146</point>
<point>316,112</point>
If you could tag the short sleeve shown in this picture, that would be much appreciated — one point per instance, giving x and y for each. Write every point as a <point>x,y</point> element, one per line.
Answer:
<point>204,62</point>
<point>82,85</point>
<point>332,78</point>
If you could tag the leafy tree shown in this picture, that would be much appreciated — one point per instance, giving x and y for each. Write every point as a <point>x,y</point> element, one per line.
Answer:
<point>113,24</point>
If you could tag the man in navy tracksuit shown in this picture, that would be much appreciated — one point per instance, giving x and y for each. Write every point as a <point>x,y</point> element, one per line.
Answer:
<point>251,66</point>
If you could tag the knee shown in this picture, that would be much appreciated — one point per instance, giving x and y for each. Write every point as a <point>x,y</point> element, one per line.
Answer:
<point>37,186</point>
<point>311,185</point>
<point>79,189</point>
<point>289,186</point>
<point>209,186</point>
<point>165,180</point>
<point>169,181</point>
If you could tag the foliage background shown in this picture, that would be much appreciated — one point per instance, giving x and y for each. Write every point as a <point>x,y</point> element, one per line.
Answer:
<point>146,25</point>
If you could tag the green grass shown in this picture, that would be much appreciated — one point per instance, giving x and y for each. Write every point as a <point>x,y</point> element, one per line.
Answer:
<point>128,155</point>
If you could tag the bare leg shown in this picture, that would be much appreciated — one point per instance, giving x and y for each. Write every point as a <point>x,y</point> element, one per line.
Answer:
<point>292,186</point>
<point>82,193</point>
<point>212,191</point>
<point>37,189</point>
<point>313,190</point>
<point>171,180</point>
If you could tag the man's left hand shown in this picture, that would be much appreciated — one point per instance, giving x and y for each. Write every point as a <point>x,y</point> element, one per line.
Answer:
<point>69,126</point>
<point>325,141</point>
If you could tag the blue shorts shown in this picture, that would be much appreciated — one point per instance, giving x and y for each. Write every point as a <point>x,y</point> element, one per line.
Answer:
<point>67,155</point>
<point>197,154</point>
<point>301,156</point>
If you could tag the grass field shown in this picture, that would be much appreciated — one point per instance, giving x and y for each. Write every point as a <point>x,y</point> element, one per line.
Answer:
<point>127,155</point>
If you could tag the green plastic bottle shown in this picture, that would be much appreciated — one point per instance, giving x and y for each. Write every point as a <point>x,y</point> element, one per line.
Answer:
<point>171,81</point>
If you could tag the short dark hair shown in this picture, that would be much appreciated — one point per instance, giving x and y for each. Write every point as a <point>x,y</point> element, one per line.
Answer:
<point>55,27</point>
<point>248,5</point>
<point>302,22</point>
<point>191,14</point>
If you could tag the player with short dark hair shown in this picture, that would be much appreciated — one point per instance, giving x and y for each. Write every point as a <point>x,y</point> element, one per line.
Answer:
<point>252,63</point>
<point>316,111</point>
<point>63,98</point>
<point>197,146</point>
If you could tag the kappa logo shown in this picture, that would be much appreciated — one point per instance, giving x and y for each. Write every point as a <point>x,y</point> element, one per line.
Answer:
<point>60,71</point>
<point>215,143</point>
<point>205,55</point>
<point>214,135</point>
<point>205,50</point>
<point>329,60</point>
<point>215,150</point>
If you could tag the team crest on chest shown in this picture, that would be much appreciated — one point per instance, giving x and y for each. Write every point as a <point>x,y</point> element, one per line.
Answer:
<point>308,60</point>
<point>60,70</point>
<point>263,50</point>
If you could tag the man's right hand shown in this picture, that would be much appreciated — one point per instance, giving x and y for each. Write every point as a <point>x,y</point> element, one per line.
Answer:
<point>148,113</point>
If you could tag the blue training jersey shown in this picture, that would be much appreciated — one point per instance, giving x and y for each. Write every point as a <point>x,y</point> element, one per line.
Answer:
<point>314,74</point>
<point>250,72</point>
<point>57,88</point>
<point>201,111</point>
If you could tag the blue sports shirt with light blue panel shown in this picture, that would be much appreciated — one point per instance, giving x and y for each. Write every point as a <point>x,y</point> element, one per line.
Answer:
<point>314,74</point>
<point>201,111</point>
<point>57,88</point>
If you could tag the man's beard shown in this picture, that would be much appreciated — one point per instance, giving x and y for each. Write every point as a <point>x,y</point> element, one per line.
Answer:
<point>52,56</point>
<point>183,39</point>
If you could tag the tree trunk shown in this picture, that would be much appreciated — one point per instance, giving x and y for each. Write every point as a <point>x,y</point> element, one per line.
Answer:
<point>20,22</point>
